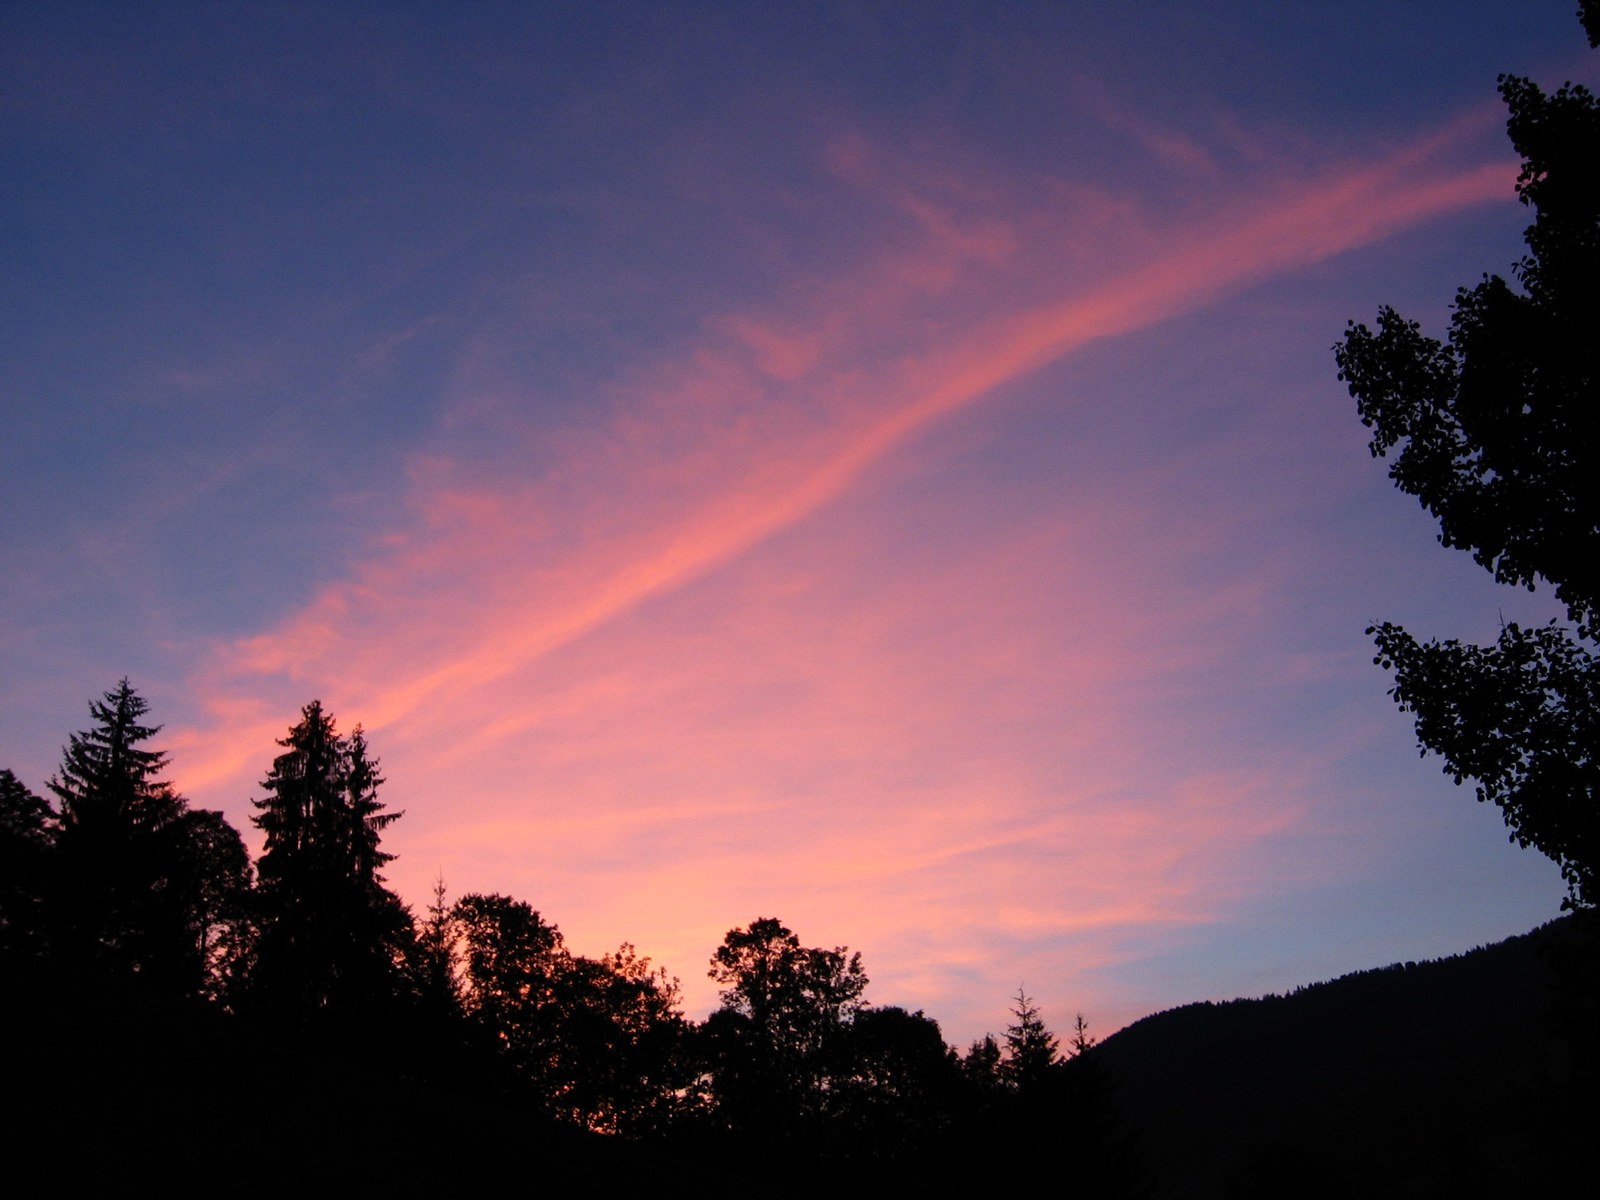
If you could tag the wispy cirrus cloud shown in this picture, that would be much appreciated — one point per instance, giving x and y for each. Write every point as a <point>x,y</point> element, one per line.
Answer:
<point>534,642</point>
<point>757,428</point>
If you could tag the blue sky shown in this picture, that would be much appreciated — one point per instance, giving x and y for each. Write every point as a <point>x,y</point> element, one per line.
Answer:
<point>875,465</point>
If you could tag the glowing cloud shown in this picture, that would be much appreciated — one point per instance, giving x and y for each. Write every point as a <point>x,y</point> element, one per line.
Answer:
<point>609,752</point>
<point>771,472</point>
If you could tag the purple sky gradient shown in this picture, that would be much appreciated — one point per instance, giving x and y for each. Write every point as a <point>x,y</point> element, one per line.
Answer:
<point>877,466</point>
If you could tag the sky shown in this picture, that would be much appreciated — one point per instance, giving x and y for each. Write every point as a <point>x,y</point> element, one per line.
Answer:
<point>879,466</point>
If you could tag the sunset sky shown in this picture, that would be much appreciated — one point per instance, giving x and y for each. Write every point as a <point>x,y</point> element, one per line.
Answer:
<point>878,465</point>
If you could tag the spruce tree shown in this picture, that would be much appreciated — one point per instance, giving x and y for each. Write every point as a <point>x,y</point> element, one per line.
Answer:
<point>435,962</point>
<point>1031,1049</point>
<point>143,883</point>
<point>332,938</point>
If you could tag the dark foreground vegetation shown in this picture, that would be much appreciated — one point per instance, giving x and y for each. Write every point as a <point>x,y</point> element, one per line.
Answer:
<point>232,1025</point>
<point>470,1048</point>
<point>176,1014</point>
<point>116,1087</point>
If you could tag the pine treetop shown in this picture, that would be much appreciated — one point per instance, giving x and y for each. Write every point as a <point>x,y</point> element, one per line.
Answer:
<point>321,815</point>
<point>106,777</point>
<point>1031,1049</point>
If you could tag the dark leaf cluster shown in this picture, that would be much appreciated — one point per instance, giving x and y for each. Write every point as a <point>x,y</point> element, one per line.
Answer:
<point>1496,431</point>
<point>1522,717</point>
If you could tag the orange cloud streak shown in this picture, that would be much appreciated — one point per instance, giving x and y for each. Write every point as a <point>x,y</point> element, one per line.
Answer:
<point>432,636</point>
<point>1296,228</point>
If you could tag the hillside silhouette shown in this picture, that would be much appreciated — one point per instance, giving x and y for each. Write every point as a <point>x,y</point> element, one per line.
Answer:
<point>1441,1078</point>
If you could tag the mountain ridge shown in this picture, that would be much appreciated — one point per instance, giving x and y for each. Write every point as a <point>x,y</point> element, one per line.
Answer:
<point>1441,1077</point>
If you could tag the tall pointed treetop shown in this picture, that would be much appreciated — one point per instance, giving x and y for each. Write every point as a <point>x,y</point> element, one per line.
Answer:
<point>107,776</point>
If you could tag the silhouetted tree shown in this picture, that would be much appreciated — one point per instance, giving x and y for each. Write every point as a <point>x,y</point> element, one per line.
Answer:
<point>1497,431</point>
<point>435,961</point>
<point>1042,1108</point>
<point>512,961</point>
<point>1103,1152</point>
<point>332,940</point>
<point>597,1042</point>
<point>980,1066</point>
<point>624,1038</point>
<point>895,1086</point>
<point>113,805</point>
<point>1080,1040</point>
<point>211,885</point>
<point>772,1042</point>
<point>27,849</point>
<point>143,882</point>
<point>1031,1049</point>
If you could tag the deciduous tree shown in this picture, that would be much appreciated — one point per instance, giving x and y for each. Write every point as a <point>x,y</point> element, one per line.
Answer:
<point>784,1007</point>
<point>596,1042</point>
<point>895,1086</point>
<point>27,849</point>
<point>1496,432</point>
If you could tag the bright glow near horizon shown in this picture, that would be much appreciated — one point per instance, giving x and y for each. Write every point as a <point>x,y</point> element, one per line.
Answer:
<point>884,472</point>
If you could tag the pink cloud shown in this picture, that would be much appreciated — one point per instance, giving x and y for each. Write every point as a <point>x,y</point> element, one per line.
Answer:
<point>634,672</point>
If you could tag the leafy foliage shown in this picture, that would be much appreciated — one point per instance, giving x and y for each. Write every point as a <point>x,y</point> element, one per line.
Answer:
<point>1497,432</point>
<point>772,1044</point>
<point>1522,717</point>
<point>1497,429</point>
<point>596,1041</point>
<point>794,993</point>
<point>483,995</point>
<point>27,849</point>
<point>896,1086</point>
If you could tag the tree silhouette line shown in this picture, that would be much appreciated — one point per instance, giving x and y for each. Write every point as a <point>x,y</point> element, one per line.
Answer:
<point>483,996</point>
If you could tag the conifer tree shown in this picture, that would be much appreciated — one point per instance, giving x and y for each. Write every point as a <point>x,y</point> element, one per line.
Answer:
<point>435,962</point>
<point>1104,1152</point>
<point>1031,1049</point>
<point>108,783</point>
<point>332,938</point>
<point>144,883</point>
